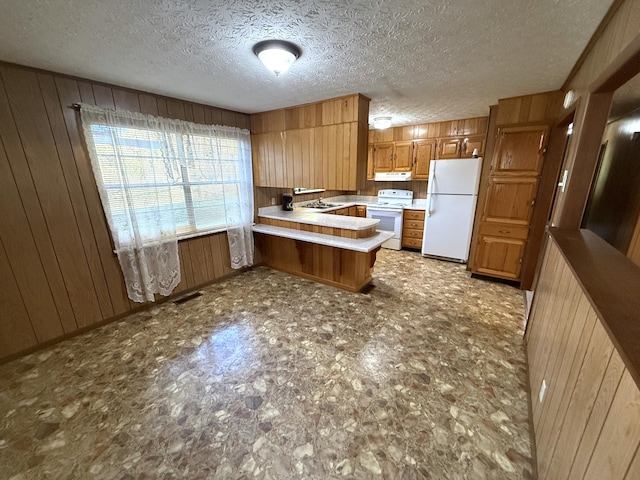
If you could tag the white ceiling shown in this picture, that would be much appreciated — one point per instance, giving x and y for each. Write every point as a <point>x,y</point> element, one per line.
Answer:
<point>419,61</point>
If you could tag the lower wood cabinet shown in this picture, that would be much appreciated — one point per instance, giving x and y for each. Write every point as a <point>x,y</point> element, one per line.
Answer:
<point>412,228</point>
<point>500,249</point>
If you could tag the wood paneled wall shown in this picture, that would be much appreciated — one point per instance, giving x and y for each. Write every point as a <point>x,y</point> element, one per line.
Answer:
<point>317,145</point>
<point>59,273</point>
<point>618,31</point>
<point>540,108</point>
<point>263,195</point>
<point>449,128</point>
<point>588,424</point>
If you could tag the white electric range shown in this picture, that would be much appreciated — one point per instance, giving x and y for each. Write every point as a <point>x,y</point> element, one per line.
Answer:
<point>388,209</point>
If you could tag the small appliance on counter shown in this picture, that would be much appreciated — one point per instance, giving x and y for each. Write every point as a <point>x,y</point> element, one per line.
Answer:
<point>287,202</point>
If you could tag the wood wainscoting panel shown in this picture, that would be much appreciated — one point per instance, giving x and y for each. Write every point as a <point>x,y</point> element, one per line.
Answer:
<point>588,422</point>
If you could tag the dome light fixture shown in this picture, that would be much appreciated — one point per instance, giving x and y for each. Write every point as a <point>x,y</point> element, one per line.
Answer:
<point>277,55</point>
<point>381,123</point>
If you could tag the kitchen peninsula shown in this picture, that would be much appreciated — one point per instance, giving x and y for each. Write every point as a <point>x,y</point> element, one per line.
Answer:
<point>332,249</point>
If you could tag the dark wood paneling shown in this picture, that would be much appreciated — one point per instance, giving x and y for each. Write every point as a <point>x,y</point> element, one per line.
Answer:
<point>37,270</point>
<point>74,187</point>
<point>16,332</point>
<point>56,252</point>
<point>42,157</point>
<point>70,92</point>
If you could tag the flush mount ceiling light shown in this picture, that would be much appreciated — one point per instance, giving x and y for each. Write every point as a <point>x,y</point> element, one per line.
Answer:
<point>277,55</point>
<point>381,122</point>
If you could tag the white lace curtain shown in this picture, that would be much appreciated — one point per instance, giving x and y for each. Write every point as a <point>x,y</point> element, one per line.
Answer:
<point>160,179</point>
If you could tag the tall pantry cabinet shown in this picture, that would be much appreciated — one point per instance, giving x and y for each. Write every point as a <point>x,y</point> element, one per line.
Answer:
<point>512,207</point>
<point>510,199</point>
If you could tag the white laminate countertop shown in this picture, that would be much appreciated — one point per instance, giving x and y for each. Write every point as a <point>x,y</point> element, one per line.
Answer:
<point>356,244</point>
<point>419,204</point>
<point>314,217</point>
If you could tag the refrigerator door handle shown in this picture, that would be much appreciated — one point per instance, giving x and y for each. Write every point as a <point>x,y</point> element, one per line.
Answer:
<point>430,188</point>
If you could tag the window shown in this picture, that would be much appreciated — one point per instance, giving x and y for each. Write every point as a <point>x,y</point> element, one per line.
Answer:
<point>158,177</point>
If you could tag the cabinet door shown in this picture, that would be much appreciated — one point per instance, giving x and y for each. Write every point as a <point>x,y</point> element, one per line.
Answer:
<point>470,143</point>
<point>519,151</point>
<point>361,211</point>
<point>383,157</point>
<point>403,156</point>
<point>423,153</point>
<point>499,256</point>
<point>370,164</point>
<point>449,147</point>
<point>353,212</point>
<point>510,200</point>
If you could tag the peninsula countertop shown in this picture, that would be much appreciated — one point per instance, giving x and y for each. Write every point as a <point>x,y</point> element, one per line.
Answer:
<point>314,217</point>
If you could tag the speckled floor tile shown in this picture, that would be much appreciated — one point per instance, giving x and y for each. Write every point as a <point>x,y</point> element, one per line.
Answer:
<point>270,376</point>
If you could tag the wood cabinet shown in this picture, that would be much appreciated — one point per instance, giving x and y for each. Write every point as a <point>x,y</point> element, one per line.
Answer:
<point>449,147</point>
<point>412,228</point>
<point>423,152</point>
<point>460,147</point>
<point>519,152</point>
<point>500,250</point>
<point>411,148</point>
<point>510,200</point>
<point>470,143</point>
<point>353,211</point>
<point>371,174</point>
<point>383,157</point>
<point>392,157</point>
<point>319,145</point>
<point>403,156</point>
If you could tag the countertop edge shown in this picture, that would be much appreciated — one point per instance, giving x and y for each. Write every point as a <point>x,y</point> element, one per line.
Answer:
<point>359,245</point>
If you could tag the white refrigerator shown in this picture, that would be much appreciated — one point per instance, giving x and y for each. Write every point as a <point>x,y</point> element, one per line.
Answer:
<point>452,194</point>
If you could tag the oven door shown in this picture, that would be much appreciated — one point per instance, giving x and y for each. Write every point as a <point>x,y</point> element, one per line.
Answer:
<point>390,221</point>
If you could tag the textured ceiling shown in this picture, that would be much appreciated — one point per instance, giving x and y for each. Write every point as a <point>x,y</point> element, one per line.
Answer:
<point>419,61</point>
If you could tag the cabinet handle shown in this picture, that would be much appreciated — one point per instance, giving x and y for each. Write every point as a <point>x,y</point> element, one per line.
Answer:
<point>504,231</point>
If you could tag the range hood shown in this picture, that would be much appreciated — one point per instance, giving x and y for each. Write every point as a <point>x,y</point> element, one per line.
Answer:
<point>392,176</point>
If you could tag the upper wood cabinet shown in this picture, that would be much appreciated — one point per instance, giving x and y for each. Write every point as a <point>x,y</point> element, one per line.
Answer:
<point>370,170</point>
<point>411,148</point>
<point>403,156</point>
<point>519,151</point>
<point>449,147</point>
<point>423,152</point>
<point>392,157</point>
<point>383,157</point>
<point>460,147</point>
<point>469,144</point>
<point>319,145</point>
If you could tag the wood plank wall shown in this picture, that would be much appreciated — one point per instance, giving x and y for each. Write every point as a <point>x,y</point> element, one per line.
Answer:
<point>59,273</point>
<point>620,31</point>
<point>317,145</point>
<point>588,425</point>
